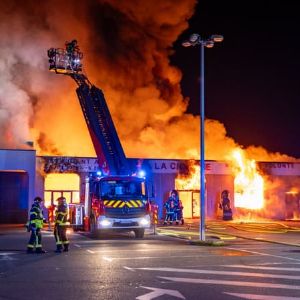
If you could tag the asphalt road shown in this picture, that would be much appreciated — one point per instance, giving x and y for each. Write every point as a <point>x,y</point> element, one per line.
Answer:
<point>156,267</point>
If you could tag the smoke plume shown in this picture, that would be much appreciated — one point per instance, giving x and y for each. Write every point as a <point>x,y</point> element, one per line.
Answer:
<point>127,45</point>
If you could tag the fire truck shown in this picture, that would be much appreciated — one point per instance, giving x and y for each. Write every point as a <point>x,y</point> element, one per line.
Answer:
<point>117,199</point>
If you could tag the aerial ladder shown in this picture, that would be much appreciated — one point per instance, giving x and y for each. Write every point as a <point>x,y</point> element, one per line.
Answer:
<point>108,148</point>
<point>118,200</point>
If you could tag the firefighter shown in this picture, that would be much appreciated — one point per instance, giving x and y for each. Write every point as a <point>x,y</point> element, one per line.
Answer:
<point>225,205</point>
<point>71,47</point>
<point>179,212</point>
<point>178,207</point>
<point>34,225</point>
<point>170,206</point>
<point>61,225</point>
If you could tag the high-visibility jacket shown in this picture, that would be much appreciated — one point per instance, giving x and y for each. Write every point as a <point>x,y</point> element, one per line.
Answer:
<point>36,216</point>
<point>61,215</point>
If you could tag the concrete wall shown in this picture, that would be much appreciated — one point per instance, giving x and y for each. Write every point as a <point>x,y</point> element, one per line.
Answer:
<point>14,160</point>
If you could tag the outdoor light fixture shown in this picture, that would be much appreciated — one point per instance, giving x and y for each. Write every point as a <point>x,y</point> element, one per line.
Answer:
<point>217,38</point>
<point>195,39</point>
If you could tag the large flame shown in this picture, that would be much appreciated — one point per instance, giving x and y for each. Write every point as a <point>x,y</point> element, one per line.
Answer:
<point>191,181</point>
<point>248,183</point>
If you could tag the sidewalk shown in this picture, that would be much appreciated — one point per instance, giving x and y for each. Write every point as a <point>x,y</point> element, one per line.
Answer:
<point>281,232</point>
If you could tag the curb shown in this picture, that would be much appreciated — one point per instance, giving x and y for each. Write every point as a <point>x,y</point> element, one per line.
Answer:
<point>221,236</point>
<point>207,243</point>
<point>259,239</point>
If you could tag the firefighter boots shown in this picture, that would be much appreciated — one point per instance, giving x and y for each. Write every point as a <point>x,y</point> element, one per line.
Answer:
<point>40,251</point>
<point>29,250</point>
<point>58,249</point>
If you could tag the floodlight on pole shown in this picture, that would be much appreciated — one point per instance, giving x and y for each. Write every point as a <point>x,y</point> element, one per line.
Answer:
<point>195,39</point>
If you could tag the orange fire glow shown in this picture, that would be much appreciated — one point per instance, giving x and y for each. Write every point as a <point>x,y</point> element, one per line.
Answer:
<point>190,182</point>
<point>248,183</point>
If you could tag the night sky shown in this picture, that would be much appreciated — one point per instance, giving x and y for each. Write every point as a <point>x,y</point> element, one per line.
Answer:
<point>252,77</point>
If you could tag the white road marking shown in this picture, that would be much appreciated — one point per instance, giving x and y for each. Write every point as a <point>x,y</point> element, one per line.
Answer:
<point>90,251</point>
<point>159,292</point>
<point>76,245</point>
<point>107,258</point>
<point>260,275</point>
<point>262,268</point>
<point>279,263</point>
<point>129,269</point>
<point>145,250</point>
<point>263,254</point>
<point>143,257</point>
<point>7,257</point>
<point>261,297</point>
<point>233,283</point>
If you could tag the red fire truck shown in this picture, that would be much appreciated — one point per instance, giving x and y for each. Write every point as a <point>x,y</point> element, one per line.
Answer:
<point>115,198</point>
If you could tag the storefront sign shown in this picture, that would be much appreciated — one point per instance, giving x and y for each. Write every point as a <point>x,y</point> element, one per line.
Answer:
<point>177,166</point>
<point>56,164</point>
<point>70,164</point>
<point>280,168</point>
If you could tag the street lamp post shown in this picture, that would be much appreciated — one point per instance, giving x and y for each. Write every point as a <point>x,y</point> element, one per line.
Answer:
<point>194,40</point>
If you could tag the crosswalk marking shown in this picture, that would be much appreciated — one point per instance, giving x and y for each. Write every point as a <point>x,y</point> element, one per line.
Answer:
<point>262,268</point>
<point>262,285</point>
<point>246,274</point>
<point>261,297</point>
<point>264,254</point>
<point>233,283</point>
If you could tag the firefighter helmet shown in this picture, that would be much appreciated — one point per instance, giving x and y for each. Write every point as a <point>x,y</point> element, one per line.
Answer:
<point>225,193</point>
<point>61,200</point>
<point>37,200</point>
<point>174,192</point>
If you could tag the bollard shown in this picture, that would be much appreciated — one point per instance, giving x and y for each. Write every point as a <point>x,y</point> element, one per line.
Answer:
<point>86,224</point>
<point>154,210</point>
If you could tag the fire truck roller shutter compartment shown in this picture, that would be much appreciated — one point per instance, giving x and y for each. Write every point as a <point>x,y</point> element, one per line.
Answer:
<point>14,189</point>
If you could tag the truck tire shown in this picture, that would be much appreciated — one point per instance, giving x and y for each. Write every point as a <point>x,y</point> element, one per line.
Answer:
<point>139,233</point>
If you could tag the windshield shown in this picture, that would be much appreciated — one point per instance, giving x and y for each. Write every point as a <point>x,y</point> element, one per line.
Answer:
<point>122,189</point>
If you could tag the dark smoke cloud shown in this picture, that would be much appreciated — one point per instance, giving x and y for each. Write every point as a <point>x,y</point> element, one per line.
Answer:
<point>126,47</point>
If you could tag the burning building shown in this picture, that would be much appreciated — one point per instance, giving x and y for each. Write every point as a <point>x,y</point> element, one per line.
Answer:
<point>272,193</point>
<point>144,96</point>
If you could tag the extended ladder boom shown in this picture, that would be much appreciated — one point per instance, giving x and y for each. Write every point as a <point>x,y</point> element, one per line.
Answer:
<point>104,136</point>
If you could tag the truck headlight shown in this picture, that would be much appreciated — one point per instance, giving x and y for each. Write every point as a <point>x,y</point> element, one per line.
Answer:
<point>144,222</point>
<point>105,223</point>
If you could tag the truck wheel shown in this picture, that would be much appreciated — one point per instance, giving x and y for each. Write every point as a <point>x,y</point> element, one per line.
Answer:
<point>139,233</point>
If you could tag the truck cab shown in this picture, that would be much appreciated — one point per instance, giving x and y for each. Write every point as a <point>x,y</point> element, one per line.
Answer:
<point>119,203</point>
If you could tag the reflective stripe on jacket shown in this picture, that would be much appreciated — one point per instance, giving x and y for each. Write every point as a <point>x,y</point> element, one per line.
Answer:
<point>36,216</point>
<point>61,215</point>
